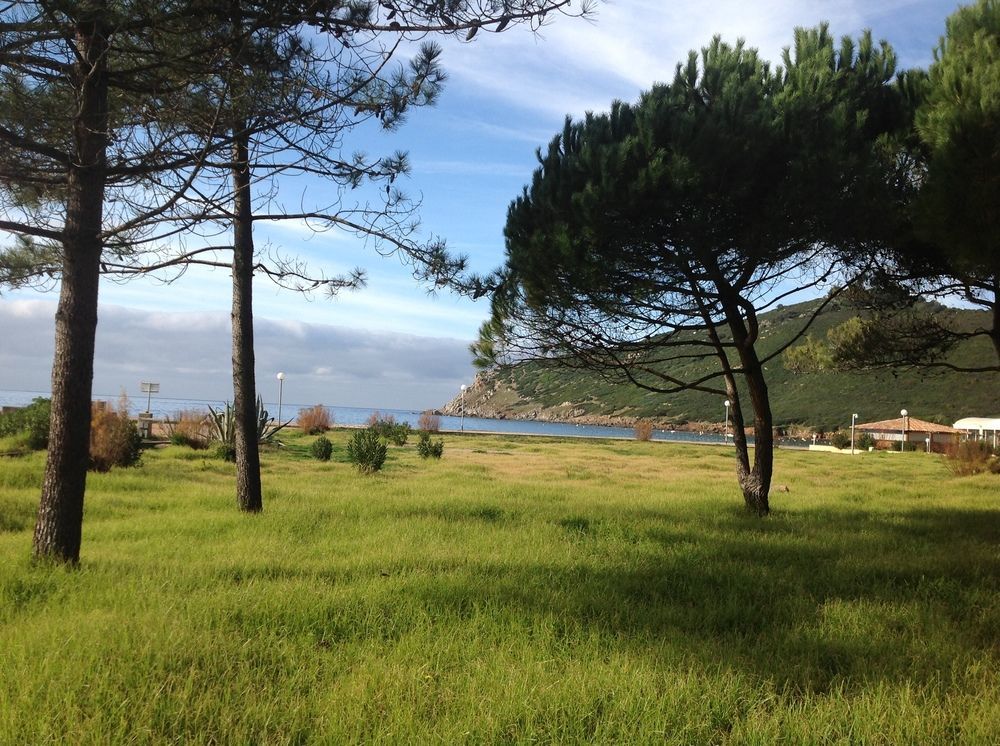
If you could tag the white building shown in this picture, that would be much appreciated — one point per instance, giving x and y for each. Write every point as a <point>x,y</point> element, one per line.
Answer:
<point>980,428</point>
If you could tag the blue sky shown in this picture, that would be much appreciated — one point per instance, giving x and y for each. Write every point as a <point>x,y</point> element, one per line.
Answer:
<point>391,344</point>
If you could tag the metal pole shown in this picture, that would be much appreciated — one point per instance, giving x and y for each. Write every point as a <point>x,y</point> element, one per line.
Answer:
<point>725,437</point>
<point>902,443</point>
<point>281,386</point>
<point>854,419</point>
<point>463,407</point>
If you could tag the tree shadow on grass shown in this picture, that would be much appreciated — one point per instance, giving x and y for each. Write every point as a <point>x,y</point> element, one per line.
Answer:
<point>812,600</point>
<point>834,600</point>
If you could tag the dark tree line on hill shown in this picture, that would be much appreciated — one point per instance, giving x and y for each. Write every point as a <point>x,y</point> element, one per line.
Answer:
<point>130,129</point>
<point>656,234</point>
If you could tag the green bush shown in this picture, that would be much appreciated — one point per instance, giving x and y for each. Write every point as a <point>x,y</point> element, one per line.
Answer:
<point>367,450</point>
<point>840,439</point>
<point>226,451</point>
<point>386,427</point>
<point>321,449</point>
<point>32,420</point>
<point>864,441</point>
<point>429,449</point>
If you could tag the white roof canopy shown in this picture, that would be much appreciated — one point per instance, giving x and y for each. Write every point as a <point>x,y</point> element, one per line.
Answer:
<point>978,423</point>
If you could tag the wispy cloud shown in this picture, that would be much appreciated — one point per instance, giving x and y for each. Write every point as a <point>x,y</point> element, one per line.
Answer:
<point>574,66</point>
<point>189,354</point>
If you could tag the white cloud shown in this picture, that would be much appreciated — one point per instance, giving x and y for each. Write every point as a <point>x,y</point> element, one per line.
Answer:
<point>189,354</point>
<point>574,65</point>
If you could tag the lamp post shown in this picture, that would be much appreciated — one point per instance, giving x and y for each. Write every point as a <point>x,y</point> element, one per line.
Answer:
<point>464,387</point>
<point>725,437</point>
<point>902,445</point>
<point>854,419</point>
<point>281,385</point>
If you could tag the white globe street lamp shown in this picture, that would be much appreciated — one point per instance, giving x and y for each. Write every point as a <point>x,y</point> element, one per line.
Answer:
<point>464,387</point>
<point>281,385</point>
<point>728,404</point>
<point>854,419</point>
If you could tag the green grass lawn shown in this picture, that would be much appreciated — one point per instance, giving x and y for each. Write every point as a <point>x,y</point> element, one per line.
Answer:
<point>519,590</point>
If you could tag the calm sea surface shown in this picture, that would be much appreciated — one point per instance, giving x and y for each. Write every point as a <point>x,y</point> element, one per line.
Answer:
<point>164,407</point>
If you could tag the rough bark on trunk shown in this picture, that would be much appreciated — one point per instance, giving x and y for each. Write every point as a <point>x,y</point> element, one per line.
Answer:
<point>755,481</point>
<point>248,487</point>
<point>59,525</point>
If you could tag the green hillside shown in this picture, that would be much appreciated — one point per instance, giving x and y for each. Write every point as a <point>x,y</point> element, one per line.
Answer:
<point>824,400</point>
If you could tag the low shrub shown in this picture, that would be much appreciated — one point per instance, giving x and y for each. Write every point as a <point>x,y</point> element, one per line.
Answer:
<point>864,442</point>
<point>226,451</point>
<point>972,457</point>
<point>643,430</point>
<point>840,439</point>
<point>314,420</point>
<point>31,421</point>
<point>429,422</point>
<point>386,427</point>
<point>114,437</point>
<point>321,449</point>
<point>190,428</point>
<point>367,450</point>
<point>428,448</point>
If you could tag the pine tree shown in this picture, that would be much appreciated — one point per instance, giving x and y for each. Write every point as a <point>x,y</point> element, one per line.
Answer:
<point>653,236</point>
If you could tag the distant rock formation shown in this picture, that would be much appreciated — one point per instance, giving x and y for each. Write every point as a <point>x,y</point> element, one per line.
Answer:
<point>491,398</point>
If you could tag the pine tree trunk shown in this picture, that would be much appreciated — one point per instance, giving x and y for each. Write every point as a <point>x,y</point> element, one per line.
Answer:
<point>248,487</point>
<point>59,524</point>
<point>756,484</point>
<point>755,481</point>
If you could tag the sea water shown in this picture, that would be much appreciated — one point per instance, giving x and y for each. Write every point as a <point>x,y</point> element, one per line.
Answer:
<point>162,407</point>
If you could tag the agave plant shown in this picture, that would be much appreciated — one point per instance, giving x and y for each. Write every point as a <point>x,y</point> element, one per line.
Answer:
<point>224,424</point>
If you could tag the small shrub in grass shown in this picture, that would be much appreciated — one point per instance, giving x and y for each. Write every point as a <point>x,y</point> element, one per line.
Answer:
<point>864,442</point>
<point>367,450</point>
<point>972,457</point>
<point>429,422</point>
<point>387,428</point>
<point>840,439</point>
<point>190,428</point>
<point>114,438</point>
<point>428,448</point>
<point>314,420</point>
<point>226,451</point>
<point>321,449</point>
<point>30,422</point>
<point>643,430</point>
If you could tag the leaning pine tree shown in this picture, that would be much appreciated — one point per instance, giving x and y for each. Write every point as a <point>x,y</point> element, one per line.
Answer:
<point>651,237</point>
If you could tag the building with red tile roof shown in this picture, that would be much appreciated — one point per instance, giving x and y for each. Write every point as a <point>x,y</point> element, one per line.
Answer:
<point>889,434</point>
